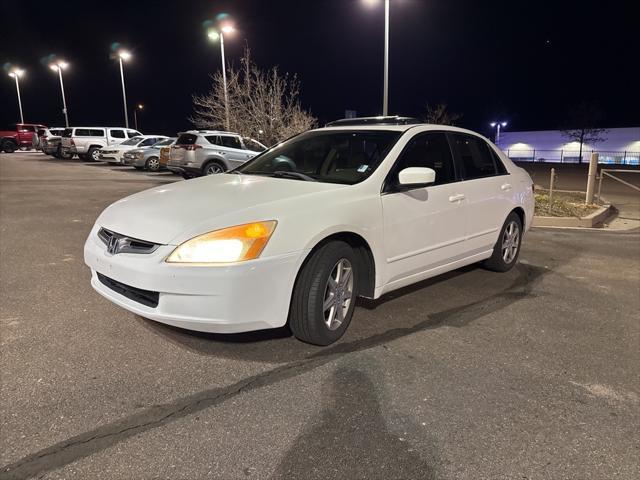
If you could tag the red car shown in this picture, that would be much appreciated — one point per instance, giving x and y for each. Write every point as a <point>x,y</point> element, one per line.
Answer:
<point>18,135</point>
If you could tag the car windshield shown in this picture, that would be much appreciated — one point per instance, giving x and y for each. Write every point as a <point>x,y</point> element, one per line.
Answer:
<point>132,141</point>
<point>342,156</point>
<point>162,143</point>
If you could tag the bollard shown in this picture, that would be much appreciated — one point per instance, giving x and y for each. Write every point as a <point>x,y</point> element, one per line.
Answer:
<point>591,179</point>
<point>552,182</point>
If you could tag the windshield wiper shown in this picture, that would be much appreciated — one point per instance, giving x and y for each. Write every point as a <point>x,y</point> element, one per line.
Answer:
<point>296,175</point>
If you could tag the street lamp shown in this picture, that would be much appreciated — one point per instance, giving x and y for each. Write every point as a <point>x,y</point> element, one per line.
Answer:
<point>385,96</point>
<point>135,115</point>
<point>215,35</point>
<point>58,67</point>
<point>497,126</point>
<point>16,73</point>
<point>123,55</point>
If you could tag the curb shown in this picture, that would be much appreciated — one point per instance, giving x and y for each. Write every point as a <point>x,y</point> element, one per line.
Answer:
<point>574,222</point>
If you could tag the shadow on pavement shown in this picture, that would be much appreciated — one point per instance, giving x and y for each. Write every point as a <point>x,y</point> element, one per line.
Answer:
<point>349,439</point>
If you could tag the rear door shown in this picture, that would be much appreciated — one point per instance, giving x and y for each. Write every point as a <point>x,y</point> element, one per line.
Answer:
<point>234,151</point>
<point>486,187</point>
<point>424,228</point>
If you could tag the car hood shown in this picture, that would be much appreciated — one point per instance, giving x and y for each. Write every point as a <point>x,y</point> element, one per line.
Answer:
<point>173,213</point>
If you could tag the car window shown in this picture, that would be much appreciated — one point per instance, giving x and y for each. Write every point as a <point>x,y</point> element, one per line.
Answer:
<point>115,133</point>
<point>27,128</point>
<point>231,142</point>
<point>499,165</point>
<point>82,132</point>
<point>68,132</point>
<point>96,132</point>
<point>133,133</point>
<point>430,150</point>
<point>473,156</point>
<point>213,139</point>
<point>343,156</point>
<point>251,144</point>
<point>149,141</point>
<point>186,139</point>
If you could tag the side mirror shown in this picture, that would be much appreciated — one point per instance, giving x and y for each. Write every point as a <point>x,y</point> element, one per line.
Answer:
<point>416,177</point>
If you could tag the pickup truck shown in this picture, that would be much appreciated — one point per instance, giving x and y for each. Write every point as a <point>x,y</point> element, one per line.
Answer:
<point>18,135</point>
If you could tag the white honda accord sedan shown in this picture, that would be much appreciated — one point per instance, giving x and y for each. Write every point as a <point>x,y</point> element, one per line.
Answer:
<point>293,236</point>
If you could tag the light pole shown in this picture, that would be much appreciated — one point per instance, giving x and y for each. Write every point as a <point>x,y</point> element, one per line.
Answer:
<point>385,95</point>
<point>16,73</point>
<point>59,66</point>
<point>213,36</point>
<point>124,55</point>
<point>135,115</point>
<point>497,126</point>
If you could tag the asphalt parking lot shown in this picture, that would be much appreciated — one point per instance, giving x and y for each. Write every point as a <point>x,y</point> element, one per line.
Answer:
<point>531,374</point>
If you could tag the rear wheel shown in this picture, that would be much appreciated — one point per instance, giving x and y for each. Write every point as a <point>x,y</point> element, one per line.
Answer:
<point>324,295</point>
<point>213,168</point>
<point>507,248</point>
<point>8,146</point>
<point>153,164</point>
<point>94,154</point>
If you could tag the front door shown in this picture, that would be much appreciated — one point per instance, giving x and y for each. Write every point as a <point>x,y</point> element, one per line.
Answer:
<point>424,228</point>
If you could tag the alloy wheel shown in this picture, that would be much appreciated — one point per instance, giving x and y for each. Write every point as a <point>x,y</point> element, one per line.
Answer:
<point>214,169</point>
<point>338,294</point>
<point>510,242</point>
<point>153,164</point>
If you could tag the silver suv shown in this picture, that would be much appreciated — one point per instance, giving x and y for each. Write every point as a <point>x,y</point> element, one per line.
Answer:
<point>87,141</point>
<point>207,152</point>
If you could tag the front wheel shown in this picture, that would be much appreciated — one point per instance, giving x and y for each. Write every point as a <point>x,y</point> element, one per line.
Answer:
<point>324,296</point>
<point>507,248</point>
<point>9,147</point>
<point>94,154</point>
<point>153,164</point>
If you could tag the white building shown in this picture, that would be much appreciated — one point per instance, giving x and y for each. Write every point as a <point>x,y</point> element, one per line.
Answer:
<point>621,146</point>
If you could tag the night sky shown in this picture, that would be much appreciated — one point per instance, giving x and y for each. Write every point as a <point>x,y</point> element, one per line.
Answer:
<point>524,62</point>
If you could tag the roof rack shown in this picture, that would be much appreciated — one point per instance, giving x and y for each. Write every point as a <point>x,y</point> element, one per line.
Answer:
<point>392,120</point>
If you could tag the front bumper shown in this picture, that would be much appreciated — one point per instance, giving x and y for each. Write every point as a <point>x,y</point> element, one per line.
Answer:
<point>110,157</point>
<point>241,297</point>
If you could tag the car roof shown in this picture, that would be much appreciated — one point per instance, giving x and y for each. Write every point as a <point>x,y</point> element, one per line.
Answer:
<point>209,132</point>
<point>402,128</point>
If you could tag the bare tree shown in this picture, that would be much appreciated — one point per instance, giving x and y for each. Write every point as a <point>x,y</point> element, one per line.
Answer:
<point>439,115</point>
<point>581,126</point>
<point>263,104</point>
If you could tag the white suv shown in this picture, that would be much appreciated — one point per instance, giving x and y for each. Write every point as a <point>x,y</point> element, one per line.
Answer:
<point>207,152</point>
<point>86,141</point>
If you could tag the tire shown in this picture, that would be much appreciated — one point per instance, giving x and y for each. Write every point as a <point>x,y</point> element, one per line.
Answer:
<point>83,156</point>
<point>187,176</point>
<point>510,239</point>
<point>64,154</point>
<point>213,168</point>
<point>138,168</point>
<point>152,164</point>
<point>93,154</point>
<point>312,316</point>
<point>9,147</point>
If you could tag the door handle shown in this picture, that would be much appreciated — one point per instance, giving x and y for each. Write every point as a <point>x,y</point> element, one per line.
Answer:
<point>506,187</point>
<point>456,198</point>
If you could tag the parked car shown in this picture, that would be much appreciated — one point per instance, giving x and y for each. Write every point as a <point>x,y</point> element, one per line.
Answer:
<point>18,135</point>
<point>296,234</point>
<point>147,158</point>
<point>86,141</point>
<point>114,154</point>
<point>50,141</point>
<point>207,152</point>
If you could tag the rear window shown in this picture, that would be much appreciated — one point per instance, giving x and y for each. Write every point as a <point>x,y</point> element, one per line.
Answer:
<point>117,133</point>
<point>187,139</point>
<point>475,157</point>
<point>231,142</point>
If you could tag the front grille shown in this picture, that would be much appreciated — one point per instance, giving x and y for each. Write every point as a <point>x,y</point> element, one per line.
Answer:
<point>117,243</point>
<point>145,297</point>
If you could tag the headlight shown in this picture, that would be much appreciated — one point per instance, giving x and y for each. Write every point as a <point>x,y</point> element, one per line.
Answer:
<point>139,155</point>
<point>233,244</point>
